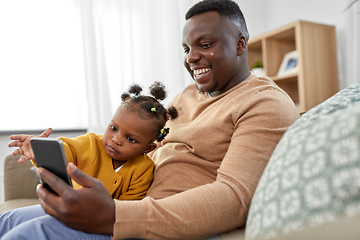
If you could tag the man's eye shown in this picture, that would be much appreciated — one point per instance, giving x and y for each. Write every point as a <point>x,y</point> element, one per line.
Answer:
<point>186,50</point>
<point>131,140</point>
<point>206,45</point>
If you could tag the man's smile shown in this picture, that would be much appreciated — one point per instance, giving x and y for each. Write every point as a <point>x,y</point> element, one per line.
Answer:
<point>199,73</point>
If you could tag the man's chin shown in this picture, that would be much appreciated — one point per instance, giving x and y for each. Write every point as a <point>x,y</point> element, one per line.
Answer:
<point>204,91</point>
<point>200,89</point>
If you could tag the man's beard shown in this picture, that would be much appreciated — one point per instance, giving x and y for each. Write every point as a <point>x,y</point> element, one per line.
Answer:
<point>210,91</point>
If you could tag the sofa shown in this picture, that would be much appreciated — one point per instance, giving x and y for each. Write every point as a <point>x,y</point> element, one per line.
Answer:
<point>20,183</point>
<point>310,188</point>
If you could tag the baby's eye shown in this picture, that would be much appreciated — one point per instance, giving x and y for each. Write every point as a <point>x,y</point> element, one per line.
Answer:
<point>131,140</point>
<point>112,128</point>
<point>186,50</point>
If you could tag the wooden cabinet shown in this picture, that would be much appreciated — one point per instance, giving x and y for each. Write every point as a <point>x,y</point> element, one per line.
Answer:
<point>317,75</point>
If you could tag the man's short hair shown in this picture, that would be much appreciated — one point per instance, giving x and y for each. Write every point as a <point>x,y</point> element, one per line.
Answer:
<point>225,8</point>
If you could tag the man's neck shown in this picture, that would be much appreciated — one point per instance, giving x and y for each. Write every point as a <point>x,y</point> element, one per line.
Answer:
<point>230,85</point>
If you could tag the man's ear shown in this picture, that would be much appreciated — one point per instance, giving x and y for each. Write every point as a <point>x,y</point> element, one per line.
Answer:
<point>150,148</point>
<point>241,45</point>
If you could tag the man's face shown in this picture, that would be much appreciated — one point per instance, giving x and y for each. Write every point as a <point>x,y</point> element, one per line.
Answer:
<point>211,56</point>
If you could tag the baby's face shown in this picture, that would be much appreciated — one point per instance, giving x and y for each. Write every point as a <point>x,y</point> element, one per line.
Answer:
<point>127,135</point>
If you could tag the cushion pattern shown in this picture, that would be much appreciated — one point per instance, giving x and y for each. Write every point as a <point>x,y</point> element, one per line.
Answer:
<point>313,175</point>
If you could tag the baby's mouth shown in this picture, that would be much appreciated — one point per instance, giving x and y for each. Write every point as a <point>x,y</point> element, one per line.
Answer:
<point>112,149</point>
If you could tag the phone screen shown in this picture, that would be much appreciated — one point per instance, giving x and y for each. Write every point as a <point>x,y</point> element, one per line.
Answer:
<point>49,154</point>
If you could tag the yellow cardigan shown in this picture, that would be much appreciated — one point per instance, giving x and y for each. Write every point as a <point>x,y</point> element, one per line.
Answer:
<point>131,182</point>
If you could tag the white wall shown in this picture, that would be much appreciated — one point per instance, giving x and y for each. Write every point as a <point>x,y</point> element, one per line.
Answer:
<point>255,15</point>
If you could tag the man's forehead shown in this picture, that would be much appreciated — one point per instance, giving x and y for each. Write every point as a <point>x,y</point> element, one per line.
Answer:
<point>212,17</point>
<point>207,24</point>
<point>202,22</point>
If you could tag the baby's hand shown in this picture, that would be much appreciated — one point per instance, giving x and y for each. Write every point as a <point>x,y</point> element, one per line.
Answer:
<point>23,142</point>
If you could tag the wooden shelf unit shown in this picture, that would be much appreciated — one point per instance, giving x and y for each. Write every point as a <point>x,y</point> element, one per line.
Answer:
<point>317,77</point>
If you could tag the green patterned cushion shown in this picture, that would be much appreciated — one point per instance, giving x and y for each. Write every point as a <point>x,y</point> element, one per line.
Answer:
<point>313,176</point>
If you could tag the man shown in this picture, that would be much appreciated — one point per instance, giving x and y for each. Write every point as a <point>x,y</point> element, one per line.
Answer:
<point>207,169</point>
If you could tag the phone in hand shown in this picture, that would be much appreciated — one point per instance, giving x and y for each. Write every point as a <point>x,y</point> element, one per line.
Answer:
<point>49,154</point>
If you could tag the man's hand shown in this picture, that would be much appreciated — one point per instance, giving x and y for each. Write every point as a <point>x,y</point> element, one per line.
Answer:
<point>89,209</point>
<point>23,142</point>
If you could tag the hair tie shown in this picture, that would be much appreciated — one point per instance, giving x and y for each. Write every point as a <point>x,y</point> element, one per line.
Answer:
<point>153,109</point>
<point>136,95</point>
<point>162,133</point>
<point>155,98</point>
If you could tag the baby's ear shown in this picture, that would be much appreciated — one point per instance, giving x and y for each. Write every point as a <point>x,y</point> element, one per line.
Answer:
<point>150,147</point>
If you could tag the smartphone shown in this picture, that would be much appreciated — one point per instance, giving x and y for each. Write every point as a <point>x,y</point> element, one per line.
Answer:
<point>49,154</point>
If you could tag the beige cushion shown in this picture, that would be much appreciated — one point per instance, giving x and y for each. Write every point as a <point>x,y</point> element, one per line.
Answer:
<point>19,184</point>
<point>19,180</point>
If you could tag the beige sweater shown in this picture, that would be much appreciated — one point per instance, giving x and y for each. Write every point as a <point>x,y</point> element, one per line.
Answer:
<point>207,168</point>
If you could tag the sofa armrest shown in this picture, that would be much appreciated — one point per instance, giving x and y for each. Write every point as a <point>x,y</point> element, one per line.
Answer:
<point>19,181</point>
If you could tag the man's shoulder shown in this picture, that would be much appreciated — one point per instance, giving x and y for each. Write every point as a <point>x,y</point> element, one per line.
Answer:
<point>253,85</point>
<point>258,93</point>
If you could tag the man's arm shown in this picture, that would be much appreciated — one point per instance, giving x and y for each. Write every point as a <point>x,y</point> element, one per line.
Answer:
<point>90,209</point>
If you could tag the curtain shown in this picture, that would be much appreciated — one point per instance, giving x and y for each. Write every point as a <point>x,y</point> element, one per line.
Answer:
<point>41,66</point>
<point>354,42</point>
<point>97,87</point>
<point>127,42</point>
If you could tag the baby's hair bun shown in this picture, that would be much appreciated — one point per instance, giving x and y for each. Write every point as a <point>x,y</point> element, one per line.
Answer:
<point>172,113</point>
<point>157,89</point>
<point>135,89</point>
<point>124,96</point>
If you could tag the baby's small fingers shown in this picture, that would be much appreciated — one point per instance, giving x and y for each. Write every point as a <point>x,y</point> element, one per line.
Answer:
<point>17,152</point>
<point>46,133</point>
<point>23,159</point>
<point>15,137</point>
<point>15,144</point>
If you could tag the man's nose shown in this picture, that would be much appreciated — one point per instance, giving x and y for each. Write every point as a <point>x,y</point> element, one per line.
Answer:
<point>192,56</point>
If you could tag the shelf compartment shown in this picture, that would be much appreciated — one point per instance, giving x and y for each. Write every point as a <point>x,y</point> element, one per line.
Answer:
<point>255,52</point>
<point>290,86</point>
<point>276,47</point>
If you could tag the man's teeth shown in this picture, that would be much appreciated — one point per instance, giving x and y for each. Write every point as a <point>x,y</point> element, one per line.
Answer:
<point>201,71</point>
